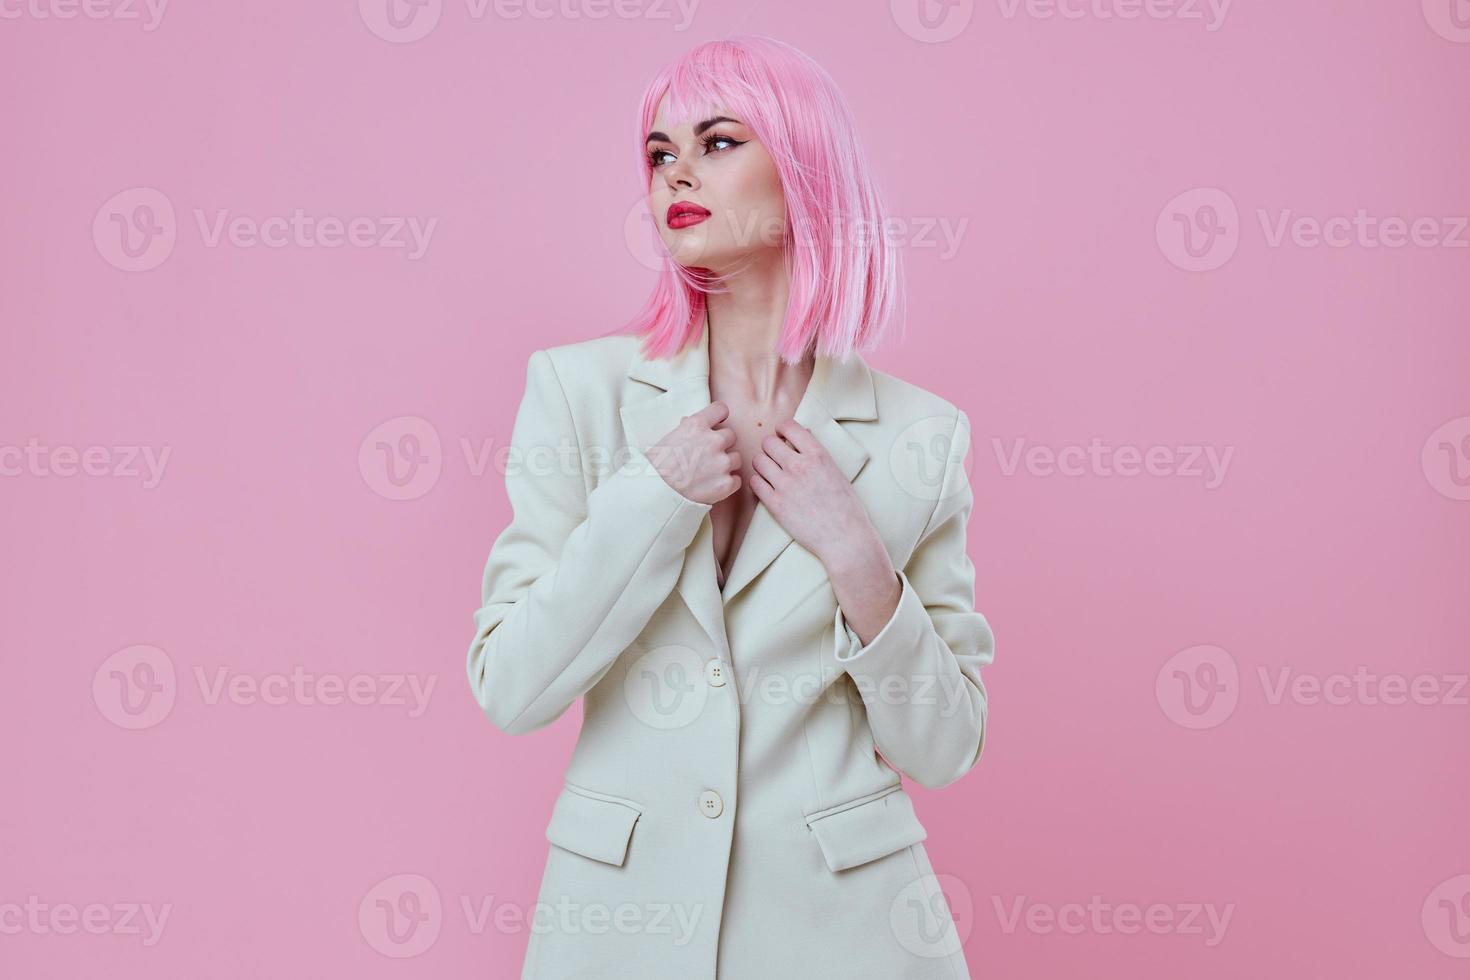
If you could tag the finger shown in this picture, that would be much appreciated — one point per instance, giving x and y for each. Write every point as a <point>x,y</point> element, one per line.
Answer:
<point>779,450</point>
<point>799,436</point>
<point>766,467</point>
<point>712,413</point>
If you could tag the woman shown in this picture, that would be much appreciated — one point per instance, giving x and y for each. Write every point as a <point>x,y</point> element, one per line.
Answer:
<point>745,550</point>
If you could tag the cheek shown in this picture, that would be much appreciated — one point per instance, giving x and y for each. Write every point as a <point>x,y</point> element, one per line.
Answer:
<point>754,193</point>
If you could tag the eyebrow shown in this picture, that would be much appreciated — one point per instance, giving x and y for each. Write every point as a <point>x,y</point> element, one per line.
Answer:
<point>657,136</point>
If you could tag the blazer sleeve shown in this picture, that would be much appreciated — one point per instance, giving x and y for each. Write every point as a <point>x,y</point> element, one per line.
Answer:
<point>576,575</point>
<point>920,676</point>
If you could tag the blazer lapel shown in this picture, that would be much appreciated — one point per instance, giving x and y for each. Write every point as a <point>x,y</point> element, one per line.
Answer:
<point>838,390</point>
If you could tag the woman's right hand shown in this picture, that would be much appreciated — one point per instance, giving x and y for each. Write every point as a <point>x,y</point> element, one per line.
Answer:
<point>698,458</point>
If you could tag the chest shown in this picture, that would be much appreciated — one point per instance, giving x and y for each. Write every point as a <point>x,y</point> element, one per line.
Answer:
<point>730,517</point>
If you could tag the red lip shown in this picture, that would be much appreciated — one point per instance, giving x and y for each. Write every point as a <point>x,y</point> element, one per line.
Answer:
<point>682,214</point>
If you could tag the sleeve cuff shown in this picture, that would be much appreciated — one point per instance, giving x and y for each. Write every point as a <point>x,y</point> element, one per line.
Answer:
<point>899,631</point>
<point>686,514</point>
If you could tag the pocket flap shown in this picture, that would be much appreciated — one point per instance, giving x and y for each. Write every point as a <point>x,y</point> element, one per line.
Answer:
<point>866,828</point>
<point>594,825</point>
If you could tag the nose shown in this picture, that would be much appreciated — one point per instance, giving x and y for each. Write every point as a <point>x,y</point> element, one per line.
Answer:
<point>679,175</point>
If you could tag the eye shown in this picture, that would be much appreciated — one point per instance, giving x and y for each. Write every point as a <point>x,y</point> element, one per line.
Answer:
<point>707,142</point>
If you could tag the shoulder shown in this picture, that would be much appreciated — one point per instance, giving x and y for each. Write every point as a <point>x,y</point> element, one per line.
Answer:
<point>586,376</point>
<point>595,360</point>
<point>903,403</point>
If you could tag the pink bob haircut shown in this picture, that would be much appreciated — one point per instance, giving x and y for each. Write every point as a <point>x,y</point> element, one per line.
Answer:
<point>844,274</point>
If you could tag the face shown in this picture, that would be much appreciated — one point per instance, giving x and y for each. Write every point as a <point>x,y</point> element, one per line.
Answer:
<point>717,168</point>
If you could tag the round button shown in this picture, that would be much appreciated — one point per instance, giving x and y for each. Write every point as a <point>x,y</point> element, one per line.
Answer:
<point>710,803</point>
<point>714,672</point>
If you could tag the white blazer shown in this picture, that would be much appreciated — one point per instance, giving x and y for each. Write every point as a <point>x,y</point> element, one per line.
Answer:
<point>725,812</point>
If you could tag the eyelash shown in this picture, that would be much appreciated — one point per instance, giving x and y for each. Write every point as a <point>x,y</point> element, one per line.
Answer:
<point>709,140</point>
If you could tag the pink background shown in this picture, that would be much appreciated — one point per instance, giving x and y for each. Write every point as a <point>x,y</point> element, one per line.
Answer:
<point>1070,310</point>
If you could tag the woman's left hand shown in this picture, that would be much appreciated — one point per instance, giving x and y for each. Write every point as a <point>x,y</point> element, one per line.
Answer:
<point>800,484</point>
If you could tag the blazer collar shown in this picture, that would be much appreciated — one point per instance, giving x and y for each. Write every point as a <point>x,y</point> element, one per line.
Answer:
<point>839,391</point>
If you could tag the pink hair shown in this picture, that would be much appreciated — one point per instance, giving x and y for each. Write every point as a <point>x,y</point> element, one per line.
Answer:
<point>843,280</point>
